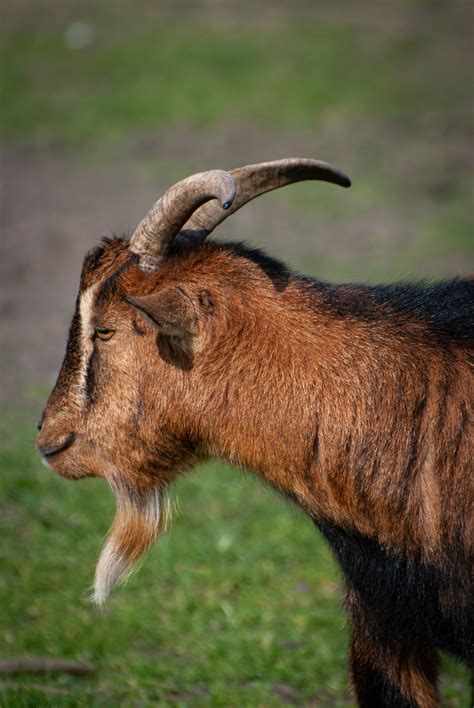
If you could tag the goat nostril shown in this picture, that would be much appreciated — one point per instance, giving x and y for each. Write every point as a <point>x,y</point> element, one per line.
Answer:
<point>41,420</point>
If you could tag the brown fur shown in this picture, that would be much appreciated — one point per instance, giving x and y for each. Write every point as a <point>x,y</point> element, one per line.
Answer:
<point>363,422</point>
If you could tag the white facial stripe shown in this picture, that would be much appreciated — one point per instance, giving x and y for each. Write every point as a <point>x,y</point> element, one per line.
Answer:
<point>85,312</point>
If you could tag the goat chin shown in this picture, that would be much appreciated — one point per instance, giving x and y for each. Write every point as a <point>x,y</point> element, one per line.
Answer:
<point>138,521</point>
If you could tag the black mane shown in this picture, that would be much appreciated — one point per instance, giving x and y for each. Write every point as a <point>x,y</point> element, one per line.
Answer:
<point>446,308</point>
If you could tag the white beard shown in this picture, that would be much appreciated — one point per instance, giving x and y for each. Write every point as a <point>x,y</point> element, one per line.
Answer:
<point>138,521</point>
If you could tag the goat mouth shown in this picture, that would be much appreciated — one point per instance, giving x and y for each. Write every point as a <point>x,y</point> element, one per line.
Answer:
<point>50,451</point>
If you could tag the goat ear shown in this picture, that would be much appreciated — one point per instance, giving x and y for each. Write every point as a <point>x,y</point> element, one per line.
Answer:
<point>171,310</point>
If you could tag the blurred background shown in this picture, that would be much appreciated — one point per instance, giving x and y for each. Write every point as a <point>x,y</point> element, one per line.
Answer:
<point>104,105</point>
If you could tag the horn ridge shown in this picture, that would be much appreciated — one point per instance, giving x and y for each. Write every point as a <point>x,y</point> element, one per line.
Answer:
<point>254,180</point>
<point>155,233</point>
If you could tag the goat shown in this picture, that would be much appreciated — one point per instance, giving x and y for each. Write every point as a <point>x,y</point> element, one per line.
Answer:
<point>353,401</point>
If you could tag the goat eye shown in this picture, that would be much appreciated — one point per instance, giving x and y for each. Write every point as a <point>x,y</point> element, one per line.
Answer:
<point>104,334</point>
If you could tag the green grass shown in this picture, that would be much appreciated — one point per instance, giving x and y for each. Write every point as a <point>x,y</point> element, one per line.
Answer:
<point>292,77</point>
<point>167,76</point>
<point>241,597</point>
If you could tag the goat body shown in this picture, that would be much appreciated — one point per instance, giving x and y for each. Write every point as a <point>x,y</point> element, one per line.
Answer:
<point>362,399</point>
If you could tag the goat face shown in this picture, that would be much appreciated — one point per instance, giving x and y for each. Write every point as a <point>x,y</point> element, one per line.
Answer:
<point>111,409</point>
<point>116,410</point>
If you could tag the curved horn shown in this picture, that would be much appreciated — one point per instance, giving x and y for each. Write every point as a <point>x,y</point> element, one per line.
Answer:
<point>161,225</point>
<point>254,180</point>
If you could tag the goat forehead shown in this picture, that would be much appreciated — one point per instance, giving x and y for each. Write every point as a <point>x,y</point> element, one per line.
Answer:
<point>103,260</point>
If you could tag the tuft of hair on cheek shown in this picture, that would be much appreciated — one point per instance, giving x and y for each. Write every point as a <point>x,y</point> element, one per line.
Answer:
<point>137,524</point>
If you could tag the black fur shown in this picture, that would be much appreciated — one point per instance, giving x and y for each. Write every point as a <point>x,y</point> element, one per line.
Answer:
<point>91,376</point>
<point>446,308</point>
<point>373,689</point>
<point>72,358</point>
<point>401,600</point>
